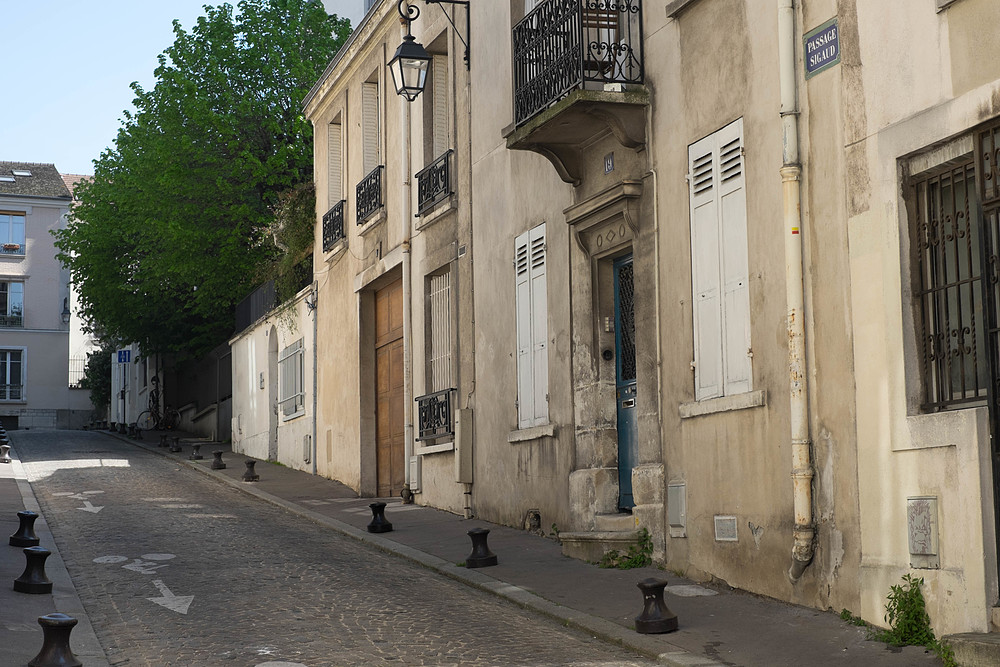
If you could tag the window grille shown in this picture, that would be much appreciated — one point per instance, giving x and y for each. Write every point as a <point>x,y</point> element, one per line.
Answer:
<point>949,253</point>
<point>439,305</point>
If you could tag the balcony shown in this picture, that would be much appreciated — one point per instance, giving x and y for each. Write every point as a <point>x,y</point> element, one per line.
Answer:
<point>333,226</point>
<point>434,183</point>
<point>370,198</point>
<point>12,249</point>
<point>11,321</point>
<point>578,73</point>
<point>435,415</point>
<point>11,392</point>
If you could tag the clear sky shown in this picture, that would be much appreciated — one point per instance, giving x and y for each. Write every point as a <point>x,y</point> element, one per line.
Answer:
<point>67,66</point>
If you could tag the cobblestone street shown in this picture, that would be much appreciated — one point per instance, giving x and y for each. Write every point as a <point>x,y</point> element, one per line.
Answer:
<point>176,569</point>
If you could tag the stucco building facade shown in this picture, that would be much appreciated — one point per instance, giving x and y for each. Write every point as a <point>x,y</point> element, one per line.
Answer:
<point>34,302</point>
<point>717,270</point>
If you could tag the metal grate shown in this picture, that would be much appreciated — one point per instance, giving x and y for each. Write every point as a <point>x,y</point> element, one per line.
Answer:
<point>562,44</point>
<point>370,194</point>
<point>435,415</point>
<point>333,226</point>
<point>950,292</point>
<point>626,324</point>
<point>434,183</point>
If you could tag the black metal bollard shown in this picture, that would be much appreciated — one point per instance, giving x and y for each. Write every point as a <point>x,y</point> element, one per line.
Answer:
<point>217,463</point>
<point>113,426</point>
<point>250,475</point>
<point>655,617</point>
<point>378,523</point>
<point>25,535</point>
<point>33,579</point>
<point>481,555</point>
<point>55,643</point>
<point>131,430</point>
<point>164,441</point>
<point>175,444</point>
<point>4,453</point>
<point>196,452</point>
<point>122,428</point>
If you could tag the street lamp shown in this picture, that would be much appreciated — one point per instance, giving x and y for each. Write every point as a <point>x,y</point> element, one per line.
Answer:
<point>409,65</point>
<point>65,311</point>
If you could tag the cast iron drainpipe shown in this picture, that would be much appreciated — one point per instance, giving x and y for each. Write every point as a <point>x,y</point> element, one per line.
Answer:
<point>803,545</point>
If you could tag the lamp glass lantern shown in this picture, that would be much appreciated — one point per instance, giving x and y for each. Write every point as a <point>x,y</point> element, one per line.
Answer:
<point>409,68</point>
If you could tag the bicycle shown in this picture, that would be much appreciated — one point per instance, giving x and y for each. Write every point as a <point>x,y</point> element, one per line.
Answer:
<point>152,419</point>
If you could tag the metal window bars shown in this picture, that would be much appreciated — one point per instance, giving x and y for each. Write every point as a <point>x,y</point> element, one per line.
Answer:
<point>435,415</point>
<point>333,226</point>
<point>434,183</point>
<point>369,193</point>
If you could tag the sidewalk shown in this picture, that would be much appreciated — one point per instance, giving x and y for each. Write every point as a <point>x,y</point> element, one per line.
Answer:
<point>717,627</point>
<point>19,612</point>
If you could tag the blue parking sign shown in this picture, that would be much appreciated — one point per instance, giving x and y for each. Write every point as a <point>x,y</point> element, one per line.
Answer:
<point>124,356</point>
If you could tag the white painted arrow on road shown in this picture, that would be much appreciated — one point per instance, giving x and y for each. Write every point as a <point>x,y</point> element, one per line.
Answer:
<point>178,603</point>
<point>89,507</point>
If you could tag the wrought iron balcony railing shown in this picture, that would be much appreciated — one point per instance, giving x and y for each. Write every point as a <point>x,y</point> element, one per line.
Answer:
<point>563,44</point>
<point>370,194</point>
<point>11,392</point>
<point>12,249</point>
<point>333,226</point>
<point>435,415</point>
<point>11,321</point>
<point>434,183</point>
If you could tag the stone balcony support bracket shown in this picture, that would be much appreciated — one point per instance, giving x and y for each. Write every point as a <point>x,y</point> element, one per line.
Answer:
<point>562,132</point>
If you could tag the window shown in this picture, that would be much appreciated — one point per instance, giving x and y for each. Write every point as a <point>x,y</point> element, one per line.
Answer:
<point>719,266</point>
<point>370,125</point>
<point>436,109</point>
<point>11,304</point>
<point>11,375</point>
<point>335,152</point>
<point>439,332</point>
<point>532,328</point>
<point>11,233</point>
<point>291,368</point>
<point>948,236</point>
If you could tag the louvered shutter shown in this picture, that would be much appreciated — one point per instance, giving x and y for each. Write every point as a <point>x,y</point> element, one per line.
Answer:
<point>705,269</point>
<point>439,72</point>
<point>335,188</point>
<point>522,298</point>
<point>735,270</point>
<point>539,325</point>
<point>370,122</point>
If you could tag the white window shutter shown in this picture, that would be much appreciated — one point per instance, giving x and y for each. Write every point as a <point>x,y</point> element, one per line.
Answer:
<point>370,122</point>
<point>736,292</point>
<point>522,296</point>
<point>539,324</point>
<point>439,72</point>
<point>705,269</point>
<point>335,188</point>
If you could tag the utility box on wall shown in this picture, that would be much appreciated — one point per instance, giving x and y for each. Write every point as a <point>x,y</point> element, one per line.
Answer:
<point>922,531</point>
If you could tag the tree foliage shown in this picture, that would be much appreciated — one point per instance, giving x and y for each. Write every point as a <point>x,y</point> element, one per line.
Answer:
<point>175,226</point>
<point>97,377</point>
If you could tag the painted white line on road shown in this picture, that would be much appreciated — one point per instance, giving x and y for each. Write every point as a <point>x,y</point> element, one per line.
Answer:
<point>178,603</point>
<point>89,507</point>
<point>210,516</point>
<point>164,500</point>
<point>280,664</point>
<point>158,556</point>
<point>181,506</point>
<point>110,559</point>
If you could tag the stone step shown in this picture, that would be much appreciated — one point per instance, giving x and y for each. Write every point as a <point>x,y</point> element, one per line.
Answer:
<point>619,521</point>
<point>974,649</point>
<point>592,545</point>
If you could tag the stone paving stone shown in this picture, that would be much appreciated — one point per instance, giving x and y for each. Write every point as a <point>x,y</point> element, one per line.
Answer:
<point>267,584</point>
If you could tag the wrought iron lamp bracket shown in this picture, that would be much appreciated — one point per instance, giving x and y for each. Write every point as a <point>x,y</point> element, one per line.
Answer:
<point>464,3</point>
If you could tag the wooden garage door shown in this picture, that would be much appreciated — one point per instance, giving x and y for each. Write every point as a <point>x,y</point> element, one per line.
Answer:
<point>389,389</point>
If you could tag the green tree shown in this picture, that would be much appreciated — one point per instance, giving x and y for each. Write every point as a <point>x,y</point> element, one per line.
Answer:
<point>97,377</point>
<point>175,226</point>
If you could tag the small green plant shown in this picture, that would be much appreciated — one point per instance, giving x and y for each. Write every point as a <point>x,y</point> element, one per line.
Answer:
<point>909,624</point>
<point>460,563</point>
<point>638,555</point>
<point>846,615</point>
<point>554,531</point>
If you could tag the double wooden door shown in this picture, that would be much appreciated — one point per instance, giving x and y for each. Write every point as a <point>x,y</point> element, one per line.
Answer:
<point>389,408</point>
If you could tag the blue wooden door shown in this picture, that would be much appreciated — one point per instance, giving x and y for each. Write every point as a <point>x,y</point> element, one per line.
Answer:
<point>625,379</point>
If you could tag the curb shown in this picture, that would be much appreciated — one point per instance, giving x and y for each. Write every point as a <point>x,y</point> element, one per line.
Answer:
<point>65,599</point>
<point>599,628</point>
